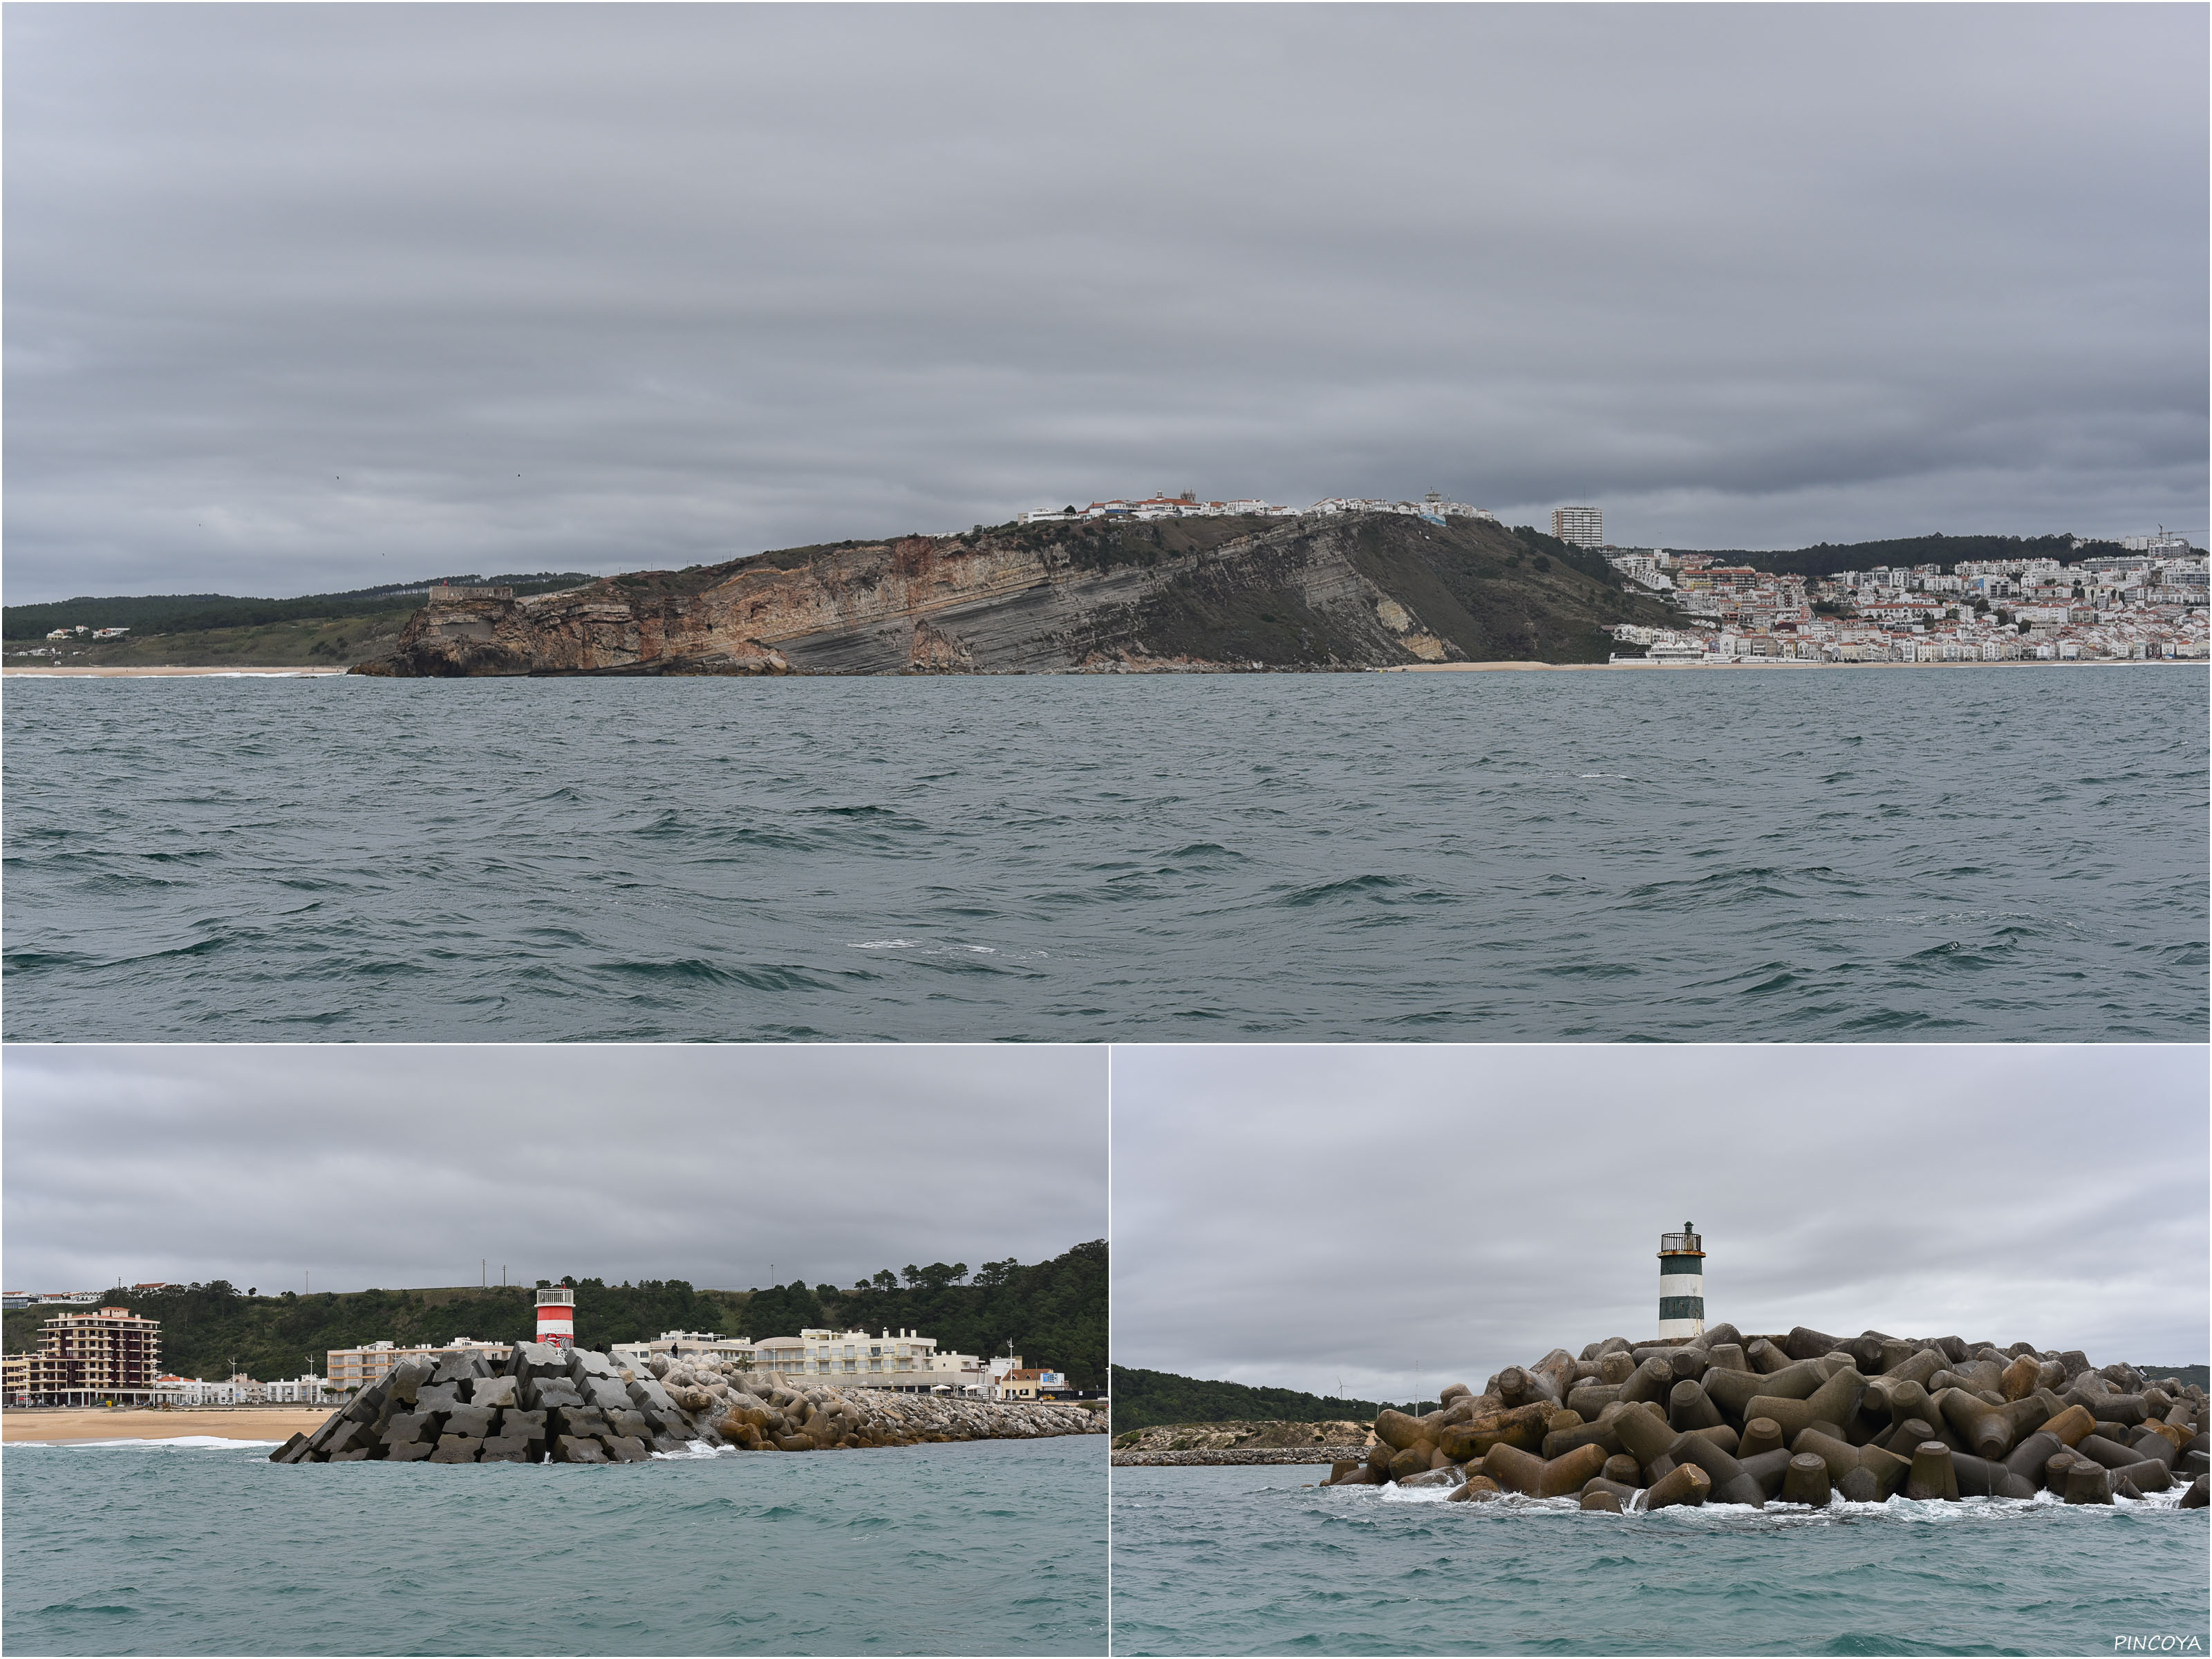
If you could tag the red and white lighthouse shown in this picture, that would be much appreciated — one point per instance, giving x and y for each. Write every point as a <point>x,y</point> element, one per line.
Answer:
<point>557,1316</point>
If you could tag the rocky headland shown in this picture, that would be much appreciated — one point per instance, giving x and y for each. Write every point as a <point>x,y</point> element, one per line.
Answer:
<point>1350,591</point>
<point>572,1406</point>
<point>1804,1417</point>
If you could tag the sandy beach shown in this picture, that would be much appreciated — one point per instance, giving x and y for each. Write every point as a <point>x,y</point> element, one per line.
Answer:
<point>120,673</point>
<point>220,1422</point>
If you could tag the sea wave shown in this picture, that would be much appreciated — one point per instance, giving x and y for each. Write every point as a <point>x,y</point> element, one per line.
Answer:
<point>1264,858</point>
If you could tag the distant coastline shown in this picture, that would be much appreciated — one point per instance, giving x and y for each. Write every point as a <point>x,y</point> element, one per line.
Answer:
<point>284,673</point>
<point>119,672</point>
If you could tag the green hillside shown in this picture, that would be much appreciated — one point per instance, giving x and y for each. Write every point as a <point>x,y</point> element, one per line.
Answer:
<point>1497,594</point>
<point>189,613</point>
<point>222,631</point>
<point>1054,1312</point>
<point>1143,1398</point>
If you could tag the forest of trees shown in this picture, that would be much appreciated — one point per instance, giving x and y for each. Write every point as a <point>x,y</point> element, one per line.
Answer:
<point>1143,1398</point>
<point>1053,1312</point>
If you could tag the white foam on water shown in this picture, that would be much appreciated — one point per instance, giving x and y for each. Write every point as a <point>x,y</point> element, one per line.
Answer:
<point>183,1442</point>
<point>929,949</point>
<point>692,1449</point>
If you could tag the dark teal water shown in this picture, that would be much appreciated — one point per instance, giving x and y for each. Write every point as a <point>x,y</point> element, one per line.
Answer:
<point>995,1548</point>
<point>1249,1560</point>
<point>1827,855</point>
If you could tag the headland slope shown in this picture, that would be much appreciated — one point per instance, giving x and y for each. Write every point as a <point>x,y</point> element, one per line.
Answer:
<point>1350,591</point>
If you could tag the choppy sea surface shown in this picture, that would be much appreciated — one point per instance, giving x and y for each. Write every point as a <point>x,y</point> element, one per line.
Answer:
<point>989,1548</point>
<point>1822,855</point>
<point>1249,1560</point>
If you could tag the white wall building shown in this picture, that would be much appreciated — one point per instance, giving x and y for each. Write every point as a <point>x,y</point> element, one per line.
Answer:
<point>305,1389</point>
<point>685,1345</point>
<point>904,1361</point>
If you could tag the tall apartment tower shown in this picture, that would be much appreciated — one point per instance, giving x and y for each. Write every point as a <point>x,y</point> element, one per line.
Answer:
<point>1682,1284</point>
<point>1579,527</point>
<point>84,1359</point>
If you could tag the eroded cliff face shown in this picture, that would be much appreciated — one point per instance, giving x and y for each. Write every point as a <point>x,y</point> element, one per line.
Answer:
<point>1353,592</point>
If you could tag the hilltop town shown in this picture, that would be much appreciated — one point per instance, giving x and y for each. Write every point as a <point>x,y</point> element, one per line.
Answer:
<point>2146,602</point>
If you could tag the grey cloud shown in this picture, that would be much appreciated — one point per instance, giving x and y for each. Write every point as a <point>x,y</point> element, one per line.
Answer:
<point>1310,1217</point>
<point>392,1166</point>
<point>295,293</point>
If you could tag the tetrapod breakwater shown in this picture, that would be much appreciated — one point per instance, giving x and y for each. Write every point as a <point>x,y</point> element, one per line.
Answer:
<point>1803,1418</point>
<point>547,1404</point>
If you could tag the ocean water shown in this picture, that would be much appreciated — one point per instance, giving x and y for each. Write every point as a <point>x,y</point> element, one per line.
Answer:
<point>1250,1560</point>
<point>989,1548</point>
<point>1823,855</point>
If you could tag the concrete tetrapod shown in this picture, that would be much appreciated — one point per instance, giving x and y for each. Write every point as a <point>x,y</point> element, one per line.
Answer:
<point>1687,1484</point>
<point>2087,1482</point>
<point>1519,1471</point>
<point>1978,1477</point>
<point>1761,1434</point>
<point>1991,1416</point>
<point>1687,1407</point>
<point>1734,1391</point>
<point>1654,1444</point>
<point>1807,1481</point>
<point>1932,1475</point>
<point>1835,1401</point>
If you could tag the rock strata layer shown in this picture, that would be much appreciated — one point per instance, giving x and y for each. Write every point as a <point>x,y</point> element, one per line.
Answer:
<point>1360,590</point>
<point>573,1405</point>
<point>1802,1418</point>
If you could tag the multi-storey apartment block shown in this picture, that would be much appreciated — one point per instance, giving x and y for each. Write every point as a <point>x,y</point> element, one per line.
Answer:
<point>99,1357</point>
<point>1579,527</point>
<point>357,1368</point>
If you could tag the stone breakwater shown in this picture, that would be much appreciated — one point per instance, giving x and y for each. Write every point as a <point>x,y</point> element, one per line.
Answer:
<point>1191,1445</point>
<point>1799,1419</point>
<point>573,1405</point>
<point>1231,1455</point>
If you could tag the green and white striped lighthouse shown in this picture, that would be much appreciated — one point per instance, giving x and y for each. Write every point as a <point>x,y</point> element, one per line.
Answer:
<point>1682,1284</point>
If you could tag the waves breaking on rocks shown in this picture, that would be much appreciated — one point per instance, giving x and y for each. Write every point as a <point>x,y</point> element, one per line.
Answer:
<point>574,1406</point>
<point>1804,1419</point>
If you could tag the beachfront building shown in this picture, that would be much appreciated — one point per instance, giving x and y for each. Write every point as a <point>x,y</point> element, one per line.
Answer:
<point>906,1362</point>
<point>174,1390</point>
<point>676,1346</point>
<point>305,1389</point>
<point>98,1357</point>
<point>15,1379</point>
<point>357,1368</point>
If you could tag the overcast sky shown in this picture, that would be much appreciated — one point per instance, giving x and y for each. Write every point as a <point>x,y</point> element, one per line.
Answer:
<point>305,297</point>
<point>405,1166</point>
<point>1298,1216</point>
